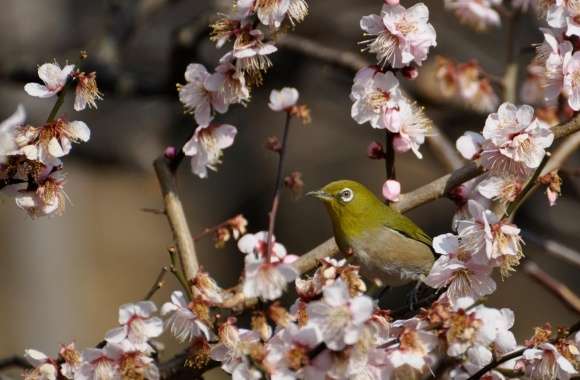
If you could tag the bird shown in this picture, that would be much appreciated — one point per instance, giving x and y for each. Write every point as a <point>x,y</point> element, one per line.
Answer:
<point>390,249</point>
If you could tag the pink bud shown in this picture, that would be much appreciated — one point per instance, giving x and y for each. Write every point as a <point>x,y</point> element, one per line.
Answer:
<point>410,72</point>
<point>392,2</point>
<point>170,152</point>
<point>392,190</point>
<point>400,144</point>
<point>375,151</point>
<point>552,196</point>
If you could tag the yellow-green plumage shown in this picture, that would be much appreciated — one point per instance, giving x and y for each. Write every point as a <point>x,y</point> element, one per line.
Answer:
<point>387,245</point>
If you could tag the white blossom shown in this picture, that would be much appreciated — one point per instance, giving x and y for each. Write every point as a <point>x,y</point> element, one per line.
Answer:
<point>399,36</point>
<point>8,129</point>
<point>54,79</point>
<point>339,317</point>
<point>478,14</point>
<point>200,94</point>
<point>183,322</point>
<point>137,326</point>
<point>206,145</point>
<point>284,99</point>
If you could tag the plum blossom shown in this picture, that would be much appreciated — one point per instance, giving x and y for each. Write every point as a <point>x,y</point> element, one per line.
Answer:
<point>467,81</point>
<point>391,190</point>
<point>54,79</point>
<point>550,55</point>
<point>86,93</point>
<point>137,326</point>
<point>479,14</point>
<point>546,362</point>
<point>72,360</point>
<point>564,14</point>
<point>45,368</point>
<point>272,13</point>
<point>470,145</point>
<point>339,317</point>
<point>504,189</point>
<point>250,53</point>
<point>8,128</point>
<point>479,326</point>
<point>47,199</point>
<point>463,273</point>
<point>399,36</point>
<point>288,351</point>
<point>284,99</point>
<point>137,365</point>
<point>413,128</point>
<point>415,345</point>
<point>100,363</point>
<point>184,322</point>
<point>514,133</point>
<point>234,344</point>
<point>200,95</point>
<point>206,145</point>
<point>484,232</point>
<point>52,141</point>
<point>376,97</point>
<point>231,83</point>
<point>571,88</point>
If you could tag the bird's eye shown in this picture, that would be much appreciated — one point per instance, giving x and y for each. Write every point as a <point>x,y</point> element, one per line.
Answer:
<point>346,195</point>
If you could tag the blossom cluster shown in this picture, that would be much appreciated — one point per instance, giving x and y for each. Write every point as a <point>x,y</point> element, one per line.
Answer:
<point>468,82</point>
<point>250,27</point>
<point>31,167</point>
<point>400,38</point>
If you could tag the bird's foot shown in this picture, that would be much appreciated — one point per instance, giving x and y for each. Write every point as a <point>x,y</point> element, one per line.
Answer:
<point>413,296</point>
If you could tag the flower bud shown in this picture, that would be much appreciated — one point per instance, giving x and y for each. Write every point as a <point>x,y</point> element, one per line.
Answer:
<point>392,2</point>
<point>375,151</point>
<point>170,152</point>
<point>410,72</point>
<point>273,144</point>
<point>391,190</point>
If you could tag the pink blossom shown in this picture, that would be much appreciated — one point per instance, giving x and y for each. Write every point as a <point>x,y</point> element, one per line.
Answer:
<point>266,280</point>
<point>462,272</point>
<point>54,79</point>
<point>564,14</point>
<point>376,97</point>
<point>399,36</point>
<point>551,55</point>
<point>52,141</point>
<point>391,190</point>
<point>8,130</point>
<point>86,92</point>
<point>478,14</point>
<point>284,99</point>
<point>100,363</point>
<point>339,317</point>
<point>571,68</point>
<point>470,145</point>
<point>414,348</point>
<point>231,83</point>
<point>546,362</point>
<point>47,199</point>
<point>233,346</point>
<point>183,322</point>
<point>45,368</point>
<point>413,128</point>
<point>200,96</point>
<point>137,326</point>
<point>518,135</point>
<point>206,145</point>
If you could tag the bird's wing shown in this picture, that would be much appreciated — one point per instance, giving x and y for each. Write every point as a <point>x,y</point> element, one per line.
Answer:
<point>405,226</point>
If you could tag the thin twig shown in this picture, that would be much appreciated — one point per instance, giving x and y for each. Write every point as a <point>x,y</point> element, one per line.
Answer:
<point>554,248</point>
<point>571,300</point>
<point>176,218</point>
<point>209,230</point>
<point>278,186</point>
<point>59,102</point>
<point>158,284</point>
<point>14,361</point>
<point>390,155</point>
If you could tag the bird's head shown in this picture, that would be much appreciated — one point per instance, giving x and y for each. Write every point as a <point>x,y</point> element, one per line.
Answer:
<point>346,198</point>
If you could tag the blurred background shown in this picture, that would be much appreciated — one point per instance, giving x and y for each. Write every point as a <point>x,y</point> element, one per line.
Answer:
<point>63,279</point>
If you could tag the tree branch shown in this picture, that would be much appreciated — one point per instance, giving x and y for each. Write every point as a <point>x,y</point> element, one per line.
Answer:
<point>14,361</point>
<point>554,248</point>
<point>176,218</point>
<point>571,300</point>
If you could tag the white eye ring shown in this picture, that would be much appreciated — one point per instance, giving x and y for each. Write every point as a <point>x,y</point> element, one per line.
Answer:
<point>346,195</point>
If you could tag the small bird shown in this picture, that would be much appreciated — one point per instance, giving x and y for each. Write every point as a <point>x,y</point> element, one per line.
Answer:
<point>390,249</point>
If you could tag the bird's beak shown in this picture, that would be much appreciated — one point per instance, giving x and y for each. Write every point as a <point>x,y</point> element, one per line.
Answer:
<point>320,195</point>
